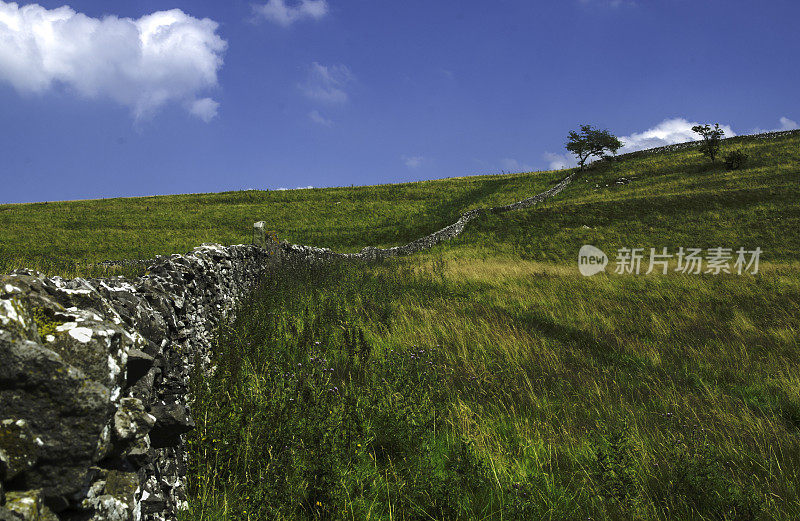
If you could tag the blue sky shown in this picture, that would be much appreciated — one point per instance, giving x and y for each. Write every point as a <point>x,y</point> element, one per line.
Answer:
<point>125,98</point>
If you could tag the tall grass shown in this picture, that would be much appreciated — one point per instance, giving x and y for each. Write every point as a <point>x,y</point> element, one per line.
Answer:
<point>487,379</point>
<point>481,393</point>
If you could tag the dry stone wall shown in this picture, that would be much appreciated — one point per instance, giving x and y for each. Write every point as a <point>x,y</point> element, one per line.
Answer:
<point>94,403</point>
<point>311,253</point>
<point>93,383</point>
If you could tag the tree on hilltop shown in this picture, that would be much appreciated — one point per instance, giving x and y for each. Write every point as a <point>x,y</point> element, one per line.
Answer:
<point>711,139</point>
<point>591,142</point>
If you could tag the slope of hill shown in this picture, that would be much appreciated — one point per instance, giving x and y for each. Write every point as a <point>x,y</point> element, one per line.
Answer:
<point>488,379</point>
<point>65,237</point>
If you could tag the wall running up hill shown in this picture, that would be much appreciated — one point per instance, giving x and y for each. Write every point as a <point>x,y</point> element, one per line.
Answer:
<point>296,251</point>
<point>94,375</point>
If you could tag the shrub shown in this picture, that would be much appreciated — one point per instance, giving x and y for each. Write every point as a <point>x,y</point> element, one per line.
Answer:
<point>735,160</point>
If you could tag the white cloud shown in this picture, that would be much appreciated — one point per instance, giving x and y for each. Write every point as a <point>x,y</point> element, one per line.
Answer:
<point>327,83</point>
<point>786,124</point>
<point>668,132</point>
<point>166,56</point>
<point>413,161</point>
<point>279,12</point>
<point>319,119</point>
<point>559,161</point>
<point>513,165</point>
<point>205,109</point>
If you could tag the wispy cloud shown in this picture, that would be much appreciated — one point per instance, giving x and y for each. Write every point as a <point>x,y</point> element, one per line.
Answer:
<point>205,109</point>
<point>559,161</point>
<point>327,83</point>
<point>281,13</point>
<point>413,161</point>
<point>281,189</point>
<point>144,63</point>
<point>786,124</point>
<point>512,165</point>
<point>319,119</point>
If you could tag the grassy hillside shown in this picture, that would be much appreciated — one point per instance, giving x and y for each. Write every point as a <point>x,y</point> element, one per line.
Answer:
<point>488,379</point>
<point>64,237</point>
<point>669,200</point>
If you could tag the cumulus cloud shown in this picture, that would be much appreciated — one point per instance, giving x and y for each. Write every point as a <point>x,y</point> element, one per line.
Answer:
<point>786,124</point>
<point>413,161</point>
<point>319,119</point>
<point>279,12</point>
<point>166,56</point>
<point>668,132</point>
<point>327,83</point>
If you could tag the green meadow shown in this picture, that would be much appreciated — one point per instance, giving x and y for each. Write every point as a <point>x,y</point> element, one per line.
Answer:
<point>487,379</point>
<point>68,238</point>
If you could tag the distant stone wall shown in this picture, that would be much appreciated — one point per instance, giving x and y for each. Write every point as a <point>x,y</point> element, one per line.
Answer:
<point>311,253</point>
<point>94,374</point>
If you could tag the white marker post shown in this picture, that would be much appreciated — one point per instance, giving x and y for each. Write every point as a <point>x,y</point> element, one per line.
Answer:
<point>259,236</point>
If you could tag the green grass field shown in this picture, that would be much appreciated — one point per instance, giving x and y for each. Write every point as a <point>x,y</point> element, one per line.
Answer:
<point>67,237</point>
<point>486,378</point>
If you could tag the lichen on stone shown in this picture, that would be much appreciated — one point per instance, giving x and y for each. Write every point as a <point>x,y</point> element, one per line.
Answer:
<point>46,324</point>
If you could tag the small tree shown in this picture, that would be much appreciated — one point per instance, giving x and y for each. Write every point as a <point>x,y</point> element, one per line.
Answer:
<point>711,139</point>
<point>591,142</point>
